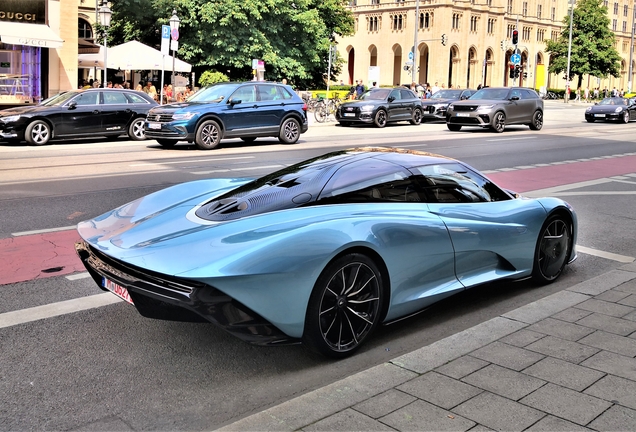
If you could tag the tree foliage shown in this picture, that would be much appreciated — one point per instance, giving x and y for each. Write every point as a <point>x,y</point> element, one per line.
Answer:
<point>212,77</point>
<point>292,38</point>
<point>592,50</point>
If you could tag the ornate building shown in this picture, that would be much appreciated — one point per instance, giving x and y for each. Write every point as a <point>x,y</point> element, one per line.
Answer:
<point>478,46</point>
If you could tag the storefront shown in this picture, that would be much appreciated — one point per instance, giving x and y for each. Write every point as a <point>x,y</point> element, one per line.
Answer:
<point>25,41</point>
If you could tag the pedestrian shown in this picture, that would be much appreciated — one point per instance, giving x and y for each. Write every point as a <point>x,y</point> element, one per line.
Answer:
<point>479,87</point>
<point>577,95</point>
<point>150,90</point>
<point>435,88</point>
<point>140,86</point>
<point>359,88</point>
<point>586,94</point>
<point>375,84</point>
<point>596,93</point>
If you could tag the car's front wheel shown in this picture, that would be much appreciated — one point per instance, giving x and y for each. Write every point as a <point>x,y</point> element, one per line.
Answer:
<point>38,133</point>
<point>289,131</point>
<point>625,117</point>
<point>553,249</point>
<point>416,117</point>
<point>453,127</point>
<point>537,120</point>
<point>499,122</point>
<point>208,135</point>
<point>380,118</point>
<point>136,129</point>
<point>167,143</point>
<point>345,306</point>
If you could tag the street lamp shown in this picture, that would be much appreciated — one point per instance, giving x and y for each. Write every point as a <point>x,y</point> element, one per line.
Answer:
<point>567,74</point>
<point>174,26</point>
<point>104,19</point>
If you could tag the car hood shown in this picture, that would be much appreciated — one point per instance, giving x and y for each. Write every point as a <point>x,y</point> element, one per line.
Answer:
<point>438,101</point>
<point>606,109</point>
<point>31,109</point>
<point>474,102</point>
<point>173,107</point>
<point>360,103</point>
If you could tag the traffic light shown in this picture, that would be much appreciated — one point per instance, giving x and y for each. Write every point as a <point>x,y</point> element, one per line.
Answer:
<point>515,37</point>
<point>444,39</point>
<point>512,71</point>
<point>517,71</point>
<point>525,75</point>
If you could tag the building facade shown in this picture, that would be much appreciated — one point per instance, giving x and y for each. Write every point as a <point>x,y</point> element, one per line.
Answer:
<point>478,48</point>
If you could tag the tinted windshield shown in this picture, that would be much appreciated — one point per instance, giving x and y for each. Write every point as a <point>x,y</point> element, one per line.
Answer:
<point>214,93</point>
<point>613,101</point>
<point>380,94</point>
<point>58,99</point>
<point>490,93</point>
<point>447,94</point>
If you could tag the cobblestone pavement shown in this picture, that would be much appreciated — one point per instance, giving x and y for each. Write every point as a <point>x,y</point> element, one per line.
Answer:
<point>566,362</point>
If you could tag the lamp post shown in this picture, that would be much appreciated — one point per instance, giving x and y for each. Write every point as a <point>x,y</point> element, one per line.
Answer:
<point>631,54</point>
<point>174,25</point>
<point>417,23</point>
<point>104,19</point>
<point>567,73</point>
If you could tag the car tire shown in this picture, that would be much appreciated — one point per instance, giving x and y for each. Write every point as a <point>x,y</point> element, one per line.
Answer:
<point>289,131</point>
<point>625,117</point>
<point>537,120</point>
<point>453,127</point>
<point>167,143</point>
<point>38,133</point>
<point>248,139</point>
<point>380,118</point>
<point>498,122</point>
<point>136,129</point>
<point>553,250</point>
<point>416,117</point>
<point>345,306</point>
<point>590,120</point>
<point>208,135</point>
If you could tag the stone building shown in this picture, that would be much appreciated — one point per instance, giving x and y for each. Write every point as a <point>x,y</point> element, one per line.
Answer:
<point>478,46</point>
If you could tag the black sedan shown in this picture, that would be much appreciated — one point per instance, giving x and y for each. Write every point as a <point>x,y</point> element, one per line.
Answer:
<point>96,112</point>
<point>380,106</point>
<point>435,107</point>
<point>612,108</point>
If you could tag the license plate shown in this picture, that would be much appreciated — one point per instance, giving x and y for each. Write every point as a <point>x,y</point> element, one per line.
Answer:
<point>117,289</point>
<point>349,115</point>
<point>599,115</point>
<point>152,125</point>
<point>462,114</point>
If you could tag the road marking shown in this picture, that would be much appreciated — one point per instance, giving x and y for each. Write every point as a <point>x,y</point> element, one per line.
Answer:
<point>607,255</point>
<point>37,313</point>
<point>190,160</point>
<point>78,276</point>
<point>43,231</point>
<point>511,139</point>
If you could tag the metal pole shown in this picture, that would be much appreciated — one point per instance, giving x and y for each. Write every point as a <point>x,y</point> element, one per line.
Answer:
<point>631,55</point>
<point>567,74</point>
<point>328,74</point>
<point>416,24</point>
<point>172,77</point>
<point>105,59</point>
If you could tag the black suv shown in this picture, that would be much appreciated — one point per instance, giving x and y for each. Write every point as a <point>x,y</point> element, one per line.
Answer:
<point>245,110</point>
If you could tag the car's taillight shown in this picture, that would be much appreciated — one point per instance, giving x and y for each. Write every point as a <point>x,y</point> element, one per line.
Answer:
<point>305,107</point>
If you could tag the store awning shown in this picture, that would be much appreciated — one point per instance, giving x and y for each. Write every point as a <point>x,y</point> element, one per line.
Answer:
<point>39,35</point>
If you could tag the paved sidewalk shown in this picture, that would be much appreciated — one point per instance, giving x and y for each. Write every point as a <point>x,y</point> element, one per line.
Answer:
<point>563,363</point>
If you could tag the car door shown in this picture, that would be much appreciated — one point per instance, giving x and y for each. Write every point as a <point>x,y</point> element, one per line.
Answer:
<point>116,112</point>
<point>271,107</point>
<point>240,113</point>
<point>493,235</point>
<point>409,102</point>
<point>395,106</point>
<point>514,107</point>
<point>81,115</point>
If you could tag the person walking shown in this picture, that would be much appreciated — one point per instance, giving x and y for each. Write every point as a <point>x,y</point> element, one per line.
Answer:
<point>586,94</point>
<point>359,88</point>
<point>577,95</point>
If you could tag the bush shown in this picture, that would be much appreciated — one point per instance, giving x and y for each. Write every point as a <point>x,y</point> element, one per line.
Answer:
<point>212,77</point>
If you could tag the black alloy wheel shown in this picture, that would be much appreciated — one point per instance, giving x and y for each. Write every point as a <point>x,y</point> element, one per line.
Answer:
<point>625,117</point>
<point>537,120</point>
<point>554,247</point>
<point>416,117</point>
<point>499,122</point>
<point>380,118</point>
<point>289,131</point>
<point>344,307</point>
<point>136,129</point>
<point>38,133</point>
<point>208,135</point>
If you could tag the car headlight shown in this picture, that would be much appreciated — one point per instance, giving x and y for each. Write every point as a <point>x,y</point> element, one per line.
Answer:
<point>451,107</point>
<point>588,109</point>
<point>619,109</point>
<point>484,107</point>
<point>367,108</point>
<point>183,116</point>
<point>10,119</point>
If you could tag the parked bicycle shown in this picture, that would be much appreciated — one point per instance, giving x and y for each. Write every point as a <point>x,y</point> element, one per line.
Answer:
<point>325,108</point>
<point>550,96</point>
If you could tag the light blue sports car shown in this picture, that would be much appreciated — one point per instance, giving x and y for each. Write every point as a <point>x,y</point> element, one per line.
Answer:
<point>324,251</point>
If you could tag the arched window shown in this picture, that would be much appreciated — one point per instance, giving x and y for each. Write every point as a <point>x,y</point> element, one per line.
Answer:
<point>85,29</point>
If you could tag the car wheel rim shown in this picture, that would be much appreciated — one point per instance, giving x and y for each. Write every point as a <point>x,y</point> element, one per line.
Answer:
<point>500,122</point>
<point>209,135</point>
<point>40,133</point>
<point>290,130</point>
<point>138,129</point>
<point>381,118</point>
<point>626,117</point>
<point>418,116</point>
<point>349,306</point>
<point>554,248</point>
<point>538,120</point>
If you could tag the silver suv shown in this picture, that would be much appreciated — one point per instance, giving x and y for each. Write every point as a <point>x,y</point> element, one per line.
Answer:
<point>497,107</point>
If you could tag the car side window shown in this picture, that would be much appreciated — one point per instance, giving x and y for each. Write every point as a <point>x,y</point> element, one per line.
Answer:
<point>284,93</point>
<point>530,94</point>
<point>88,98</point>
<point>516,93</point>
<point>395,94</point>
<point>267,92</point>
<point>114,98</point>
<point>133,98</point>
<point>245,94</point>
<point>407,94</point>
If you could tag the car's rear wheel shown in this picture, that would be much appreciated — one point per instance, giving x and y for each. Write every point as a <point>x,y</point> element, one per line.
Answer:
<point>537,120</point>
<point>208,135</point>
<point>136,129</point>
<point>553,249</point>
<point>345,306</point>
<point>625,117</point>
<point>453,127</point>
<point>416,117</point>
<point>289,131</point>
<point>498,122</point>
<point>167,143</point>
<point>38,133</point>
<point>248,139</point>
<point>380,118</point>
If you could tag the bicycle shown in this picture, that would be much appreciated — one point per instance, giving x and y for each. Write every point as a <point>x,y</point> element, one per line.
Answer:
<point>550,96</point>
<point>324,109</point>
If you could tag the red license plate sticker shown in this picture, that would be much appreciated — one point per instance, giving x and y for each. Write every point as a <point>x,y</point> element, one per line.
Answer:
<point>117,289</point>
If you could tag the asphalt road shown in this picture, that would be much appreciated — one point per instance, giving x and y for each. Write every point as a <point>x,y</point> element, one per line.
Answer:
<point>107,368</point>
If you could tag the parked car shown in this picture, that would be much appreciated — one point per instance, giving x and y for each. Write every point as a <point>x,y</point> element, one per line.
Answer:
<point>612,108</point>
<point>246,110</point>
<point>435,107</point>
<point>380,106</point>
<point>496,108</point>
<point>325,250</point>
<point>95,112</point>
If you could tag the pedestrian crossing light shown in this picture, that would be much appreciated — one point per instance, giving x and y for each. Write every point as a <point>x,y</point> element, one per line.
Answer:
<point>444,39</point>
<point>515,37</point>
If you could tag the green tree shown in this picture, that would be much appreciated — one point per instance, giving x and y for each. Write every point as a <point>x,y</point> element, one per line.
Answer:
<point>592,49</point>
<point>292,38</point>
<point>212,77</point>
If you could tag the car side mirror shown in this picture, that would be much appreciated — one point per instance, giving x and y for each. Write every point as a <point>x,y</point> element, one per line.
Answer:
<point>464,97</point>
<point>72,105</point>
<point>391,99</point>
<point>235,101</point>
<point>514,98</point>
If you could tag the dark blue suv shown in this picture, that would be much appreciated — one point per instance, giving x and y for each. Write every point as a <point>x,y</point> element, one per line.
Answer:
<point>245,110</point>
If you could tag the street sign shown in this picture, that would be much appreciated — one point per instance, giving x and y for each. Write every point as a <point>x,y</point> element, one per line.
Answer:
<point>175,34</point>
<point>165,39</point>
<point>515,59</point>
<point>410,55</point>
